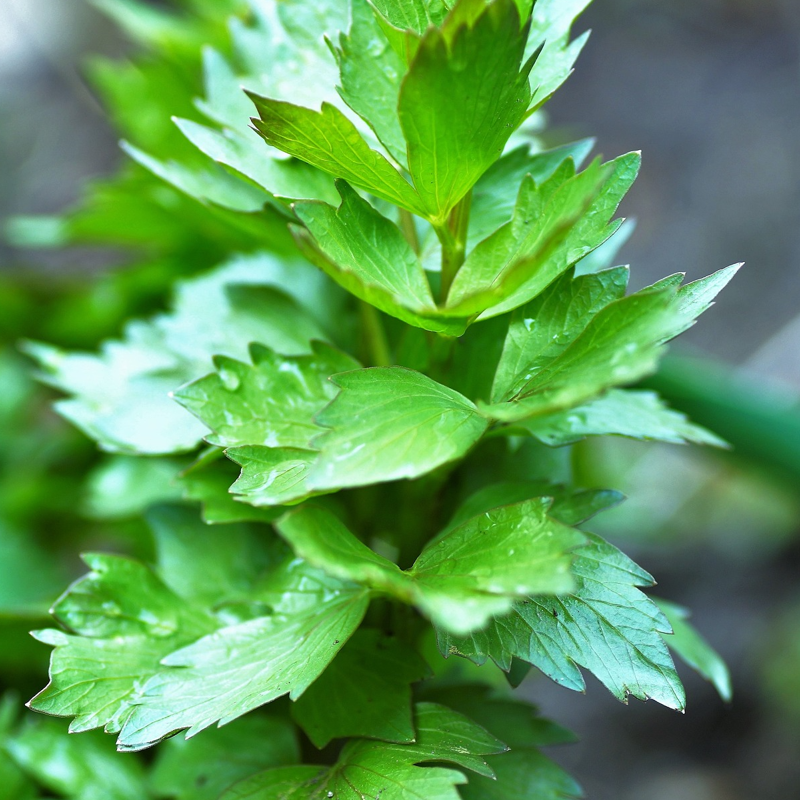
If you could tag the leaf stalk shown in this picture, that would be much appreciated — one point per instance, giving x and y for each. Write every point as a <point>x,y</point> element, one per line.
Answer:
<point>375,339</point>
<point>453,238</point>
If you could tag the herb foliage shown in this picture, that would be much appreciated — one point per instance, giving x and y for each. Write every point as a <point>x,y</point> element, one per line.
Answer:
<point>418,302</point>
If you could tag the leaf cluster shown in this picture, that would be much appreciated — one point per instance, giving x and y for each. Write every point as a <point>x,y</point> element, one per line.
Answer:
<point>364,416</point>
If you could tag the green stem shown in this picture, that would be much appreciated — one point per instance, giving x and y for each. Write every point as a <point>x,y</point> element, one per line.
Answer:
<point>375,336</point>
<point>453,237</point>
<point>409,229</point>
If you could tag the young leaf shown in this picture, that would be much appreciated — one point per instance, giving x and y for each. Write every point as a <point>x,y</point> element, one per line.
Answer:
<point>517,720</point>
<point>542,329</point>
<point>501,264</point>
<point>370,72</point>
<point>524,772</point>
<point>364,693</point>
<point>606,626</point>
<point>374,770</point>
<point>391,423</point>
<point>461,578</point>
<point>692,648</point>
<point>592,230</point>
<point>495,194</point>
<point>328,140</point>
<point>635,414</point>
<point>555,224</point>
<point>621,343</point>
<point>271,402</point>
<point>464,95</point>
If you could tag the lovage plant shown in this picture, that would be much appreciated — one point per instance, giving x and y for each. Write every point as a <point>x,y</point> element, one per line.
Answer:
<point>371,430</point>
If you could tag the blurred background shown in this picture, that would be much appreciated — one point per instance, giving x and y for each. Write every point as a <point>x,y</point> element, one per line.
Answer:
<point>709,90</point>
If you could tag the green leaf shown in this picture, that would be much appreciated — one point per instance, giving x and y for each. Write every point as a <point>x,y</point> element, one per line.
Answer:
<point>510,551</point>
<point>524,247</point>
<point>370,73</point>
<point>210,486</point>
<point>635,414</point>
<point>208,184</point>
<point>366,253</point>
<point>551,21</point>
<point>124,618</point>
<point>81,767</point>
<point>568,506</point>
<point>523,773</point>
<point>465,93</point>
<point>604,257</point>
<point>240,667</point>
<point>281,177</point>
<point>542,329</point>
<point>126,621</point>
<point>462,577</point>
<point>371,770</point>
<point>518,721</point>
<point>291,37</point>
<point>606,626</point>
<point>320,538</point>
<point>364,693</point>
<point>570,216</point>
<point>620,344</point>
<point>592,230</point>
<point>391,423</point>
<point>124,486</point>
<point>120,397</point>
<point>328,140</point>
<point>271,402</point>
<point>495,194</point>
<point>204,767</point>
<point>412,15</point>
<point>695,298</point>
<point>272,476</point>
<point>210,566</point>
<point>692,648</point>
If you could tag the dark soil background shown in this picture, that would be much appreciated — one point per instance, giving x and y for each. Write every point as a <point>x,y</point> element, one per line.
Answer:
<point>709,90</point>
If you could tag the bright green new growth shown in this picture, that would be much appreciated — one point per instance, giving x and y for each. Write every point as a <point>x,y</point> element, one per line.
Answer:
<point>369,432</point>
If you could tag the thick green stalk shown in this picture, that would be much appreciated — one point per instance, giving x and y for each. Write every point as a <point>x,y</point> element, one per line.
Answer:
<point>453,238</point>
<point>377,345</point>
<point>409,229</point>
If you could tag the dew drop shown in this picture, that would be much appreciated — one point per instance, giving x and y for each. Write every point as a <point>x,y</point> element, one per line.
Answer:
<point>230,380</point>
